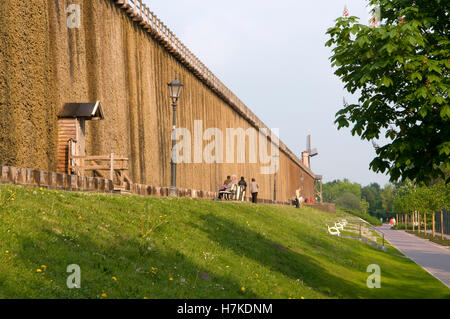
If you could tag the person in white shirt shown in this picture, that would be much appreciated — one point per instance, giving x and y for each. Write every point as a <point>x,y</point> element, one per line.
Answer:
<point>254,189</point>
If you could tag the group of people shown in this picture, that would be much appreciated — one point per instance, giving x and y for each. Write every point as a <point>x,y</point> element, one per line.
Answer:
<point>232,186</point>
<point>237,190</point>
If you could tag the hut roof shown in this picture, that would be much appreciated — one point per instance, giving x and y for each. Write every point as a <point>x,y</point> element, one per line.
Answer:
<point>87,111</point>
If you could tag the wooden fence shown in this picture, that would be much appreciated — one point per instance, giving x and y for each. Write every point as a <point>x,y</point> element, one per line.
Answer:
<point>115,165</point>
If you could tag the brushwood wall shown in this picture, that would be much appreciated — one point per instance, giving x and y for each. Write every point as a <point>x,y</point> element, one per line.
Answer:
<point>112,59</point>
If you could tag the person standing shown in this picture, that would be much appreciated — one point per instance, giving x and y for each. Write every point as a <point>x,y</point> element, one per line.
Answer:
<point>254,189</point>
<point>242,188</point>
<point>298,197</point>
<point>243,183</point>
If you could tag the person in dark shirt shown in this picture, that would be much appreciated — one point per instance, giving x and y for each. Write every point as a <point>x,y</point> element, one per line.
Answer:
<point>242,188</point>
<point>243,184</point>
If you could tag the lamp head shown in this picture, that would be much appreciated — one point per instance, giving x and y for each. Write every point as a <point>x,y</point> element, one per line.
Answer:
<point>175,88</point>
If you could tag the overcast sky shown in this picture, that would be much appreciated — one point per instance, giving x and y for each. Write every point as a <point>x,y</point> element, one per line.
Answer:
<point>271,54</point>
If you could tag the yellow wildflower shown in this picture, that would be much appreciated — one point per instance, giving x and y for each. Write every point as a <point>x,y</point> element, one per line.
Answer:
<point>104,295</point>
<point>114,278</point>
<point>41,189</point>
<point>303,297</point>
<point>44,267</point>
<point>243,288</point>
<point>6,251</point>
<point>170,278</point>
<point>38,270</point>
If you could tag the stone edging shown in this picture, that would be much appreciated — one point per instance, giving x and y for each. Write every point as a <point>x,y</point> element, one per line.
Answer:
<point>38,178</point>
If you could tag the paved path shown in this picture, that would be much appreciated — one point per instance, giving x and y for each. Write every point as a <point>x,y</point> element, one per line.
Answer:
<point>432,257</point>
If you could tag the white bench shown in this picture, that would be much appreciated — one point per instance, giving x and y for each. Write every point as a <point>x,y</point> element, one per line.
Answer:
<point>333,231</point>
<point>231,194</point>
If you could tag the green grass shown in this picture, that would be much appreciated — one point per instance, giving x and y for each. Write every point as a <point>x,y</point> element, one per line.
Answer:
<point>209,250</point>
<point>368,218</point>
<point>437,239</point>
<point>402,227</point>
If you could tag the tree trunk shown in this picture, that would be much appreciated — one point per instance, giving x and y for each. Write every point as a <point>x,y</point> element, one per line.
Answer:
<point>425,223</point>
<point>413,220</point>
<point>418,222</point>
<point>442,223</point>
<point>434,226</point>
<point>406,221</point>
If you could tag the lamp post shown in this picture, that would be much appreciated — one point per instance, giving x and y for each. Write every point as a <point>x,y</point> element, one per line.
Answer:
<point>175,88</point>
<point>276,157</point>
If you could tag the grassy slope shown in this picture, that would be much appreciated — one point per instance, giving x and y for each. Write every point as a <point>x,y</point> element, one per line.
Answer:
<point>272,252</point>
<point>369,218</point>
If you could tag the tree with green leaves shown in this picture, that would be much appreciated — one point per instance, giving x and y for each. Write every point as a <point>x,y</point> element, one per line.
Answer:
<point>401,71</point>
<point>401,203</point>
<point>372,194</point>
<point>348,200</point>
<point>333,190</point>
<point>364,206</point>
<point>387,198</point>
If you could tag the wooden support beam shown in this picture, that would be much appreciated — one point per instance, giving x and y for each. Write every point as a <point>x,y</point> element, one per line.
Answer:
<point>111,172</point>
<point>99,167</point>
<point>100,158</point>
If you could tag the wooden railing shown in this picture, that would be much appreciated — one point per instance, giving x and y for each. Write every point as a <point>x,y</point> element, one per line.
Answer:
<point>113,164</point>
<point>140,13</point>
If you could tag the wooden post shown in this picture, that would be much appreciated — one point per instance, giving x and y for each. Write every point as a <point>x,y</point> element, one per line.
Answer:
<point>406,221</point>
<point>397,221</point>
<point>111,172</point>
<point>69,157</point>
<point>442,223</point>
<point>83,173</point>
<point>418,222</point>
<point>433,215</point>
<point>425,223</point>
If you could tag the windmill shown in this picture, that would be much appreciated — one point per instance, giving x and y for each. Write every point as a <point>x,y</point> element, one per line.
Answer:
<point>346,13</point>
<point>306,157</point>
<point>311,152</point>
